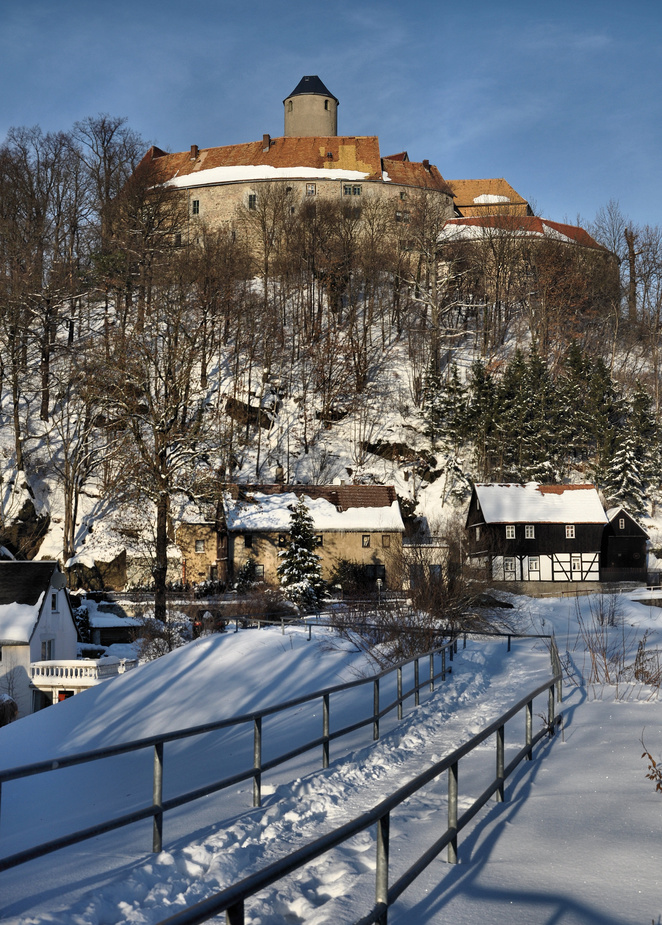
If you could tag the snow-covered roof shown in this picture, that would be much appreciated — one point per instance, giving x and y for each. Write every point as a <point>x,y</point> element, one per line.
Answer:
<point>271,513</point>
<point>17,621</point>
<point>262,172</point>
<point>535,503</point>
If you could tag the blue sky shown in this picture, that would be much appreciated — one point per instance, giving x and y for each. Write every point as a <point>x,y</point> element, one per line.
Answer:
<point>563,99</point>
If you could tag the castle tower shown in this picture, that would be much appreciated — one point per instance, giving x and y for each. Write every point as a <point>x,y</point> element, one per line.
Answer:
<point>310,110</point>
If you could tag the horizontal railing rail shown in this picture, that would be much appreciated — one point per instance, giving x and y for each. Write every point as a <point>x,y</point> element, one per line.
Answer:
<point>255,719</point>
<point>232,899</point>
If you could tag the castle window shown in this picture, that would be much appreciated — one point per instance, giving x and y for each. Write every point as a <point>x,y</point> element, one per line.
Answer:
<point>311,189</point>
<point>199,545</point>
<point>351,190</point>
<point>319,540</point>
<point>252,201</point>
<point>386,540</point>
<point>365,540</point>
<point>326,104</point>
<point>403,195</point>
<point>402,217</point>
<point>290,105</point>
<point>248,540</point>
<point>195,207</point>
<point>178,239</point>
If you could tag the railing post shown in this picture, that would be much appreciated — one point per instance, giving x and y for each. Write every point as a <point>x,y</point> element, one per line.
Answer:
<point>157,800</point>
<point>432,672</point>
<point>417,698</point>
<point>509,638</point>
<point>310,626</point>
<point>443,664</point>
<point>325,731</point>
<point>234,915</point>
<point>399,676</point>
<point>500,762</point>
<point>452,812</point>
<point>375,710</point>
<point>282,626</point>
<point>451,648</point>
<point>381,878</point>
<point>550,710</point>
<point>257,761</point>
<point>529,729</point>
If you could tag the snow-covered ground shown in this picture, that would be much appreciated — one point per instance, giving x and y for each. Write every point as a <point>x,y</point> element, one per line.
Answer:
<point>578,840</point>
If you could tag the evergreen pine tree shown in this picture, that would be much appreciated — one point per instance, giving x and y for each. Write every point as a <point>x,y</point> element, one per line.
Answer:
<point>299,571</point>
<point>623,482</point>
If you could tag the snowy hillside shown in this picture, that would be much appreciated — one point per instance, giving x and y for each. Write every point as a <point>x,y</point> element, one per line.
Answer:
<point>576,843</point>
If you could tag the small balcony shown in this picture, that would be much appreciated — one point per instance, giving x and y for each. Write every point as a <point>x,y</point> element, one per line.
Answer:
<point>77,674</point>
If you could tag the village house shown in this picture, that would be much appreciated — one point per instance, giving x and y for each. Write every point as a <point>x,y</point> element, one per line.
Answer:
<point>36,626</point>
<point>536,533</point>
<point>624,553</point>
<point>358,524</point>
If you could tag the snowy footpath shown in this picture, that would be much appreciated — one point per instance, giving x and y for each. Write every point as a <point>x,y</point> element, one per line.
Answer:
<point>578,840</point>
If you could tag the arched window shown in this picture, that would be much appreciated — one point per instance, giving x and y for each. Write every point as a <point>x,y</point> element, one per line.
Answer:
<point>289,105</point>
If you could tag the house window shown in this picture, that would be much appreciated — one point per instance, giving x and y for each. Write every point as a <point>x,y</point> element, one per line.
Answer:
<point>403,195</point>
<point>365,540</point>
<point>509,564</point>
<point>252,201</point>
<point>282,540</point>
<point>259,572</point>
<point>576,564</point>
<point>350,189</point>
<point>386,540</point>
<point>54,601</point>
<point>529,532</point>
<point>534,564</point>
<point>621,523</point>
<point>510,531</point>
<point>319,540</point>
<point>569,531</point>
<point>195,207</point>
<point>46,650</point>
<point>248,540</point>
<point>311,189</point>
<point>199,545</point>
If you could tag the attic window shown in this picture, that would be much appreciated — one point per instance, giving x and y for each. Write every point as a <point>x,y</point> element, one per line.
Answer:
<point>569,531</point>
<point>54,601</point>
<point>621,523</point>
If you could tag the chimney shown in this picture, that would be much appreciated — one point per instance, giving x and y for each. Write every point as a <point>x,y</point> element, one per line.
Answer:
<point>194,152</point>
<point>266,142</point>
<point>426,164</point>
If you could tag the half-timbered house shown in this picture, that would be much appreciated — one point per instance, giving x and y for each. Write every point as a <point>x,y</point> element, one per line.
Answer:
<point>536,532</point>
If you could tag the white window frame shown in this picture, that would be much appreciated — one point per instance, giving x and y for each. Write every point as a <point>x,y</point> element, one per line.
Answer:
<point>534,563</point>
<point>509,564</point>
<point>621,523</point>
<point>575,562</point>
<point>199,546</point>
<point>570,531</point>
<point>529,532</point>
<point>311,189</point>
<point>510,531</point>
<point>195,207</point>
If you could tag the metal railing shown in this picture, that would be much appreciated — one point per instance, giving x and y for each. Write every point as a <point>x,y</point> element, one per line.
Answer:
<point>160,806</point>
<point>232,899</point>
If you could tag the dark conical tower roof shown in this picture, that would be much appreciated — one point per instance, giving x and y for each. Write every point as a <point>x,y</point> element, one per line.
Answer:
<point>311,85</point>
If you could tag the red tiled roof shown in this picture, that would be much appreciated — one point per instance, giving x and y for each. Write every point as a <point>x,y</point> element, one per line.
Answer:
<point>528,224</point>
<point>342,496</point>
<point>468,191</point>
<point>348,152</point>
<point>413,173</point>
